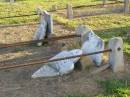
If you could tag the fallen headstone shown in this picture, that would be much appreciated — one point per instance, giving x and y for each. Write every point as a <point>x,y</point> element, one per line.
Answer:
<point>59,67</point>
<point>48,18</point>
<point>83,31</point>
<point>93,43</point>
<point>45,28</point>
<point>41,31</point>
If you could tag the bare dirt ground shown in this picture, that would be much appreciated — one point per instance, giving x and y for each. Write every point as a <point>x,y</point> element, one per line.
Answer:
<point>18,82</point>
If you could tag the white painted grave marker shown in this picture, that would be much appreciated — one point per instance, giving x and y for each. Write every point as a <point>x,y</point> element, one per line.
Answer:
<point>46,26</point>
<point>93,43</point>
<point>59,67</point>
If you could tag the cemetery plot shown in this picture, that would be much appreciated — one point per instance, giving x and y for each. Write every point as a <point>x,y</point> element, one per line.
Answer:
<point>18,82</point>
<point>21,84</point>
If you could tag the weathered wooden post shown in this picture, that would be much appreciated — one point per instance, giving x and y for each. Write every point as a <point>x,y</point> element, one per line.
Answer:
<point>128,33</point>
<point>54,8</point>
<point>116,1</point>
<point>104,2</point>
<point>12,1</point>
<point>69,11</point>
<point>126,6</point>
<point>116,58</point>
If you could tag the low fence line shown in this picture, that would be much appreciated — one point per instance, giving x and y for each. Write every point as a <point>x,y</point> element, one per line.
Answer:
<point>36,41</point>
<point>119,2</point>
<point>7,11</point>
<point>53,60</point>
<point>17,25</point>
<point>80,6</point>
<point>26,15</point>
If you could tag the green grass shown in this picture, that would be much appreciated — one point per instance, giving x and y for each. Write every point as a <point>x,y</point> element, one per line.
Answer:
<point>106,26</point>
<point>77,96</point>
<point>112,88</point>
<point>32,4</point>
<point>29,7</point>
<point>116,88</point>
